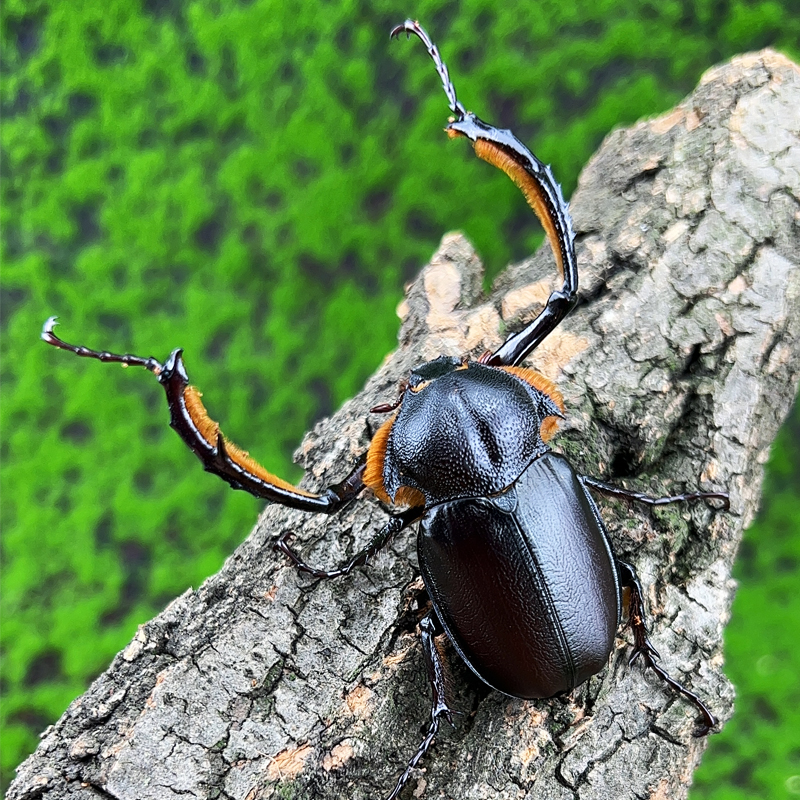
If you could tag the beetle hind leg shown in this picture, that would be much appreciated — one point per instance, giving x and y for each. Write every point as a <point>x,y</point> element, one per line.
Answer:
<point>430,628</point>
<point>643,647</point>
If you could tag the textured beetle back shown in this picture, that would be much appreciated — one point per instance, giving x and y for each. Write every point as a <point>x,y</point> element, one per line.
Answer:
<point>471,431</point>
<point>524,584</point>
<point>540,383</point>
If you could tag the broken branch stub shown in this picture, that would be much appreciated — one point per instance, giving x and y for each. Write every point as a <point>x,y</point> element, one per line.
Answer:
<point>677,367</point>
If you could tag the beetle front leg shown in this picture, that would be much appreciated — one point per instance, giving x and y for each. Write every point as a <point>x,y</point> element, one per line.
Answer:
<point>502,149</point>
<point>203,436</point>
<point>395,524</point>
<point>430,628</point>
<point>643,647</point>
<point>639,497</point>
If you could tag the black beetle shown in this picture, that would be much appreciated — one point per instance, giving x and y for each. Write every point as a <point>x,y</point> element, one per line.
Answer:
<point>512,550</point>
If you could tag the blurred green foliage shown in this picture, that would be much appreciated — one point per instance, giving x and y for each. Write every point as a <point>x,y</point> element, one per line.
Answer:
<point>254,181</point>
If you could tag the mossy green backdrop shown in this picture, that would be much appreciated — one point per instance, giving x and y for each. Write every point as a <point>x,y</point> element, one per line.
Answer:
<point>255,181</point>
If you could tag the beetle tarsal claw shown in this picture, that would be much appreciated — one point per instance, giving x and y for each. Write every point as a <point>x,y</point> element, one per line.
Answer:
<point>49,325</point>
<point>406,27</point>
<point>126,359</point>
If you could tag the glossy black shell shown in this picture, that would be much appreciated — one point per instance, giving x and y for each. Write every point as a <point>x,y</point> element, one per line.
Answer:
<point>464,430</point>
<point>524,584</point>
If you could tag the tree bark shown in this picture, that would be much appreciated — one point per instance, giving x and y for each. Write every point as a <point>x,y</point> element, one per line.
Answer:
<point>677,367</point>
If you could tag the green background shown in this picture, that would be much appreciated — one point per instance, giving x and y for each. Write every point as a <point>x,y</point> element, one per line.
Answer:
<point>254,182</point>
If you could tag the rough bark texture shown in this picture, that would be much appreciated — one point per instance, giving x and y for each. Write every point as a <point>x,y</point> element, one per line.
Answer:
<point>678,367</point>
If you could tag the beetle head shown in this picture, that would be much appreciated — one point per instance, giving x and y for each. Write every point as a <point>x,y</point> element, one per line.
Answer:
<point>424,374</point>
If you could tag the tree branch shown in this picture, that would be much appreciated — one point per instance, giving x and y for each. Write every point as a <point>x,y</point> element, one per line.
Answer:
<point>678,366</point>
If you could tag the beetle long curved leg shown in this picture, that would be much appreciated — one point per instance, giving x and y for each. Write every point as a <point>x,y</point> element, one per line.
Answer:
<point>438,676</point>
<point>219,456</point>
<point>627,494</point>
<point>535,179</point>
<point>395,524</point>
<point>643,647</point>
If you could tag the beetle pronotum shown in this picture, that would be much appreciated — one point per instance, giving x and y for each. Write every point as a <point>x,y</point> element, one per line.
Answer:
<point>513,553</point>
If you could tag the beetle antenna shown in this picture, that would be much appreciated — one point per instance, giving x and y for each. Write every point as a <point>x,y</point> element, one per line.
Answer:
<point>126,360</point>
<point>412,26</point>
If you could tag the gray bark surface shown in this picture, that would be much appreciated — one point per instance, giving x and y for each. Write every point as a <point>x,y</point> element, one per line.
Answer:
<point>677,367</point>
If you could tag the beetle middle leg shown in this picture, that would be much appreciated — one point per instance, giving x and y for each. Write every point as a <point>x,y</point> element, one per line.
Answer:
<point>396,523</point>
<point>438,676</point>
<point>643,647</point>
<point>614,491</point>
